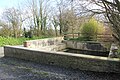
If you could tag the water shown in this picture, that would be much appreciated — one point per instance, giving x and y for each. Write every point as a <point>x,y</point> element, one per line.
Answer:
<point>88,52</point>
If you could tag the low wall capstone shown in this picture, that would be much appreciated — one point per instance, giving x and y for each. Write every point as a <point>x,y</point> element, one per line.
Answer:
<point>67,60</point>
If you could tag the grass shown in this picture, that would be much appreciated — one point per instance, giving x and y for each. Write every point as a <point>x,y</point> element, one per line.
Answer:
<point>15,41</point>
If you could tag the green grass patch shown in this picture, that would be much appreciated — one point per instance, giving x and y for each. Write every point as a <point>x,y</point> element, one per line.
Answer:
<point>15,41</point>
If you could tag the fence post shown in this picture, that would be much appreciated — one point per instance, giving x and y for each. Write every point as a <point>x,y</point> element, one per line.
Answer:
<point>65,36</point>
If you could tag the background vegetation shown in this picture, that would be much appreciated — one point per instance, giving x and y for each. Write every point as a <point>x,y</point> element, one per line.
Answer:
<point>40,18</point>
<point>90,30</point>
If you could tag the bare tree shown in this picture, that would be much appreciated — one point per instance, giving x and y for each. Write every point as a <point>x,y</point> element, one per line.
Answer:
<point>13,16</point>
<point>5,29</point>
<point>111,10</point>
<point>39,10</point>
<point>66,10</point>
<point>55,24</point>
<point>61,6</point>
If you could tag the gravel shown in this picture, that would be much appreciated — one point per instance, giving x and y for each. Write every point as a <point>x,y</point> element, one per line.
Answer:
<point>16,69</point>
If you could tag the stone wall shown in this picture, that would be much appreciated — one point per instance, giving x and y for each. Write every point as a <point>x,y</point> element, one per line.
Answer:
<point>1,51</point>
<point>94,46</point>
<point>56,44</point>
<point>67,60</point>
<point>50,44</point>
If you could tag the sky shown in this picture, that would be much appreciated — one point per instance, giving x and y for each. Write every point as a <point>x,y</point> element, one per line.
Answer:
<point>8,4</point>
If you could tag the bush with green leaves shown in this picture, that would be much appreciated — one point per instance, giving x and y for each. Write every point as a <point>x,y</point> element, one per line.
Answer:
<point>90,30</point>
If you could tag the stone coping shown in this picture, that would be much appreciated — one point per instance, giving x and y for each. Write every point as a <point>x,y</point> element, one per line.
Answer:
<point>45,39</point>
<point>40,43</point>
<point>68,54</point>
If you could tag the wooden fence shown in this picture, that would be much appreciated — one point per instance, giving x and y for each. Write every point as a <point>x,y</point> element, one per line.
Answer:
<point>95,37</point>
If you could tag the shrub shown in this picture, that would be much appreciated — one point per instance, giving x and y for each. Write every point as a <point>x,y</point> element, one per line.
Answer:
<point>90,30</point>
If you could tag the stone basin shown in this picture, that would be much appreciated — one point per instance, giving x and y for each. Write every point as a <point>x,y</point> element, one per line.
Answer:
<point>49,51</point>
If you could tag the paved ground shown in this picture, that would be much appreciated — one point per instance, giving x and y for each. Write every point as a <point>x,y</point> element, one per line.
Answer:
<point>16,69</point>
